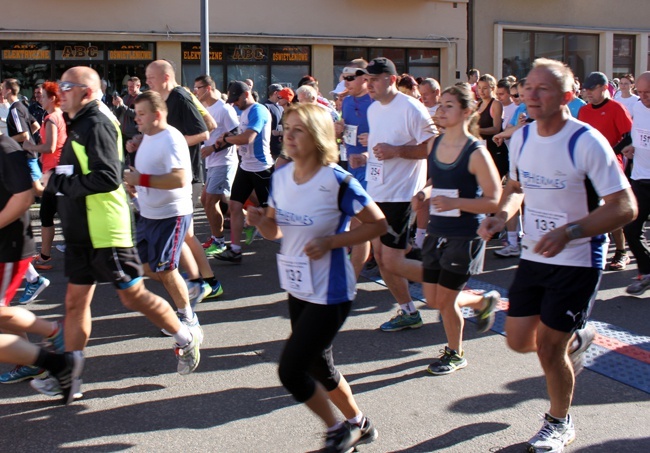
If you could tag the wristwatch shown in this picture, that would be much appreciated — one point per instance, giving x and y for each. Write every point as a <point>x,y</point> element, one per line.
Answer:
<point>573,231</point>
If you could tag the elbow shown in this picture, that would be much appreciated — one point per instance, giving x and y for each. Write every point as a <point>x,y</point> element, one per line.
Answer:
<point>381,227</point>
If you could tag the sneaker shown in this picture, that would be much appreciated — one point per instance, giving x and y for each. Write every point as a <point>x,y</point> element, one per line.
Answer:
<point>553,436</point>
<point>509,251</point>
<point>249,232</point>
<point>215,248</point>
<point>401,321</point>
<point>188,322</point>
<point>447,363</point>
<point>32,290</point>
<point>55,342</point>
<point>585,337</point>
<point>47,386</point>
<point>208,243</point>
<point>70,378</point>
<point>229,255</point>
<point>215,291</point>
<point>639,287</point>
<point>42,265</point>
<point>367,432</point>
<point>343,439</point>
<point>485,316</point>
<point>195,291</point>
<point>22,373</point>
<point>61,248</point>
<point>619,261</point>
<point>189,355</point>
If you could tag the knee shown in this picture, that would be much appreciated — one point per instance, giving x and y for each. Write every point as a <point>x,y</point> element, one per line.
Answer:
<point>296,381</point>
<point>549,353</point>
<point>518,344</point>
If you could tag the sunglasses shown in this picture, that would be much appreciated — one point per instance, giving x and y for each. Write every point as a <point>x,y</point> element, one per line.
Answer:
<point>350,78</point>
<point>199,87</point>
<point>67,86</point>
<point>514,95</point>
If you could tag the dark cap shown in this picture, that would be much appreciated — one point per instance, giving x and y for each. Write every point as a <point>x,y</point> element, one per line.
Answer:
<point>594,79</point>
<point>274,87</point>
<point>380,65</point>
<point>236,89</point>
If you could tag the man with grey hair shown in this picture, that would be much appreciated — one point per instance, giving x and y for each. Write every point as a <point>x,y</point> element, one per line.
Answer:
<point>430,92</point>
<point>565,226</point>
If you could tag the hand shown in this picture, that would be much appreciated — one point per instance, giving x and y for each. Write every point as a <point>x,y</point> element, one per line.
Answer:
<point>442,203</point>
<point>628,151</point>
<point>132,177</point>
<point>339,127</point>
<point>491,226</point>
<point>552,243</point>
<point>357,160</point>
<point>522,118</point>
<point>118,101</point>
<point>206,151</point>
<point>417,201</point>
<point>131,190</point>
<point>133,144</point>
<point>384,151</point>
<point>498,139</point>
<point>363,139</point>
<point>318,247</point>
<point>254,215</point>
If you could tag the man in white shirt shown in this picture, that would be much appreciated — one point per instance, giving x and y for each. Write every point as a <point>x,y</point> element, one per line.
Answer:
<point>400,127</point>
<point>640,180</point>
<point>565,226</point>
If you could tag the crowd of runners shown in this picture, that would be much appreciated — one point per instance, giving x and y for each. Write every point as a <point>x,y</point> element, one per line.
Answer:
<point>394,175</point>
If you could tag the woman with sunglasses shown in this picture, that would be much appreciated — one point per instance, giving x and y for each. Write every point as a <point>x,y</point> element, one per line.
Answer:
<point>310,206</point>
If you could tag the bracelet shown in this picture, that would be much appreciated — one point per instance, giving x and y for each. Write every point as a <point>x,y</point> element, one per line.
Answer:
<point>145,180</point>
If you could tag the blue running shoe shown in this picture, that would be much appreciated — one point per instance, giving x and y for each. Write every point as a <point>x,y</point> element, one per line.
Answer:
<point>22,373</point>
<point>402,321</point>
<point>32,290</point>
<point>215,291</point>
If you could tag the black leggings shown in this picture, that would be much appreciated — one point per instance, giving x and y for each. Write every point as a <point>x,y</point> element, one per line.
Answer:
<point>307,355</point>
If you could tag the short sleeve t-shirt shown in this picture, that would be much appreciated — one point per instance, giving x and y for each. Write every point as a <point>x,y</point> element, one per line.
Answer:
<point>628,103</point>
<point>16,239</point>
<point>641,142</point>
<point>553,172</point>
<point>256,156</point>
<point>157,155</point>
<point>403,121</point>
<point>226,118</point>
<point>609,118</point>
<point>18,121</point>
<point>311,210</point>
<point>51,160</point>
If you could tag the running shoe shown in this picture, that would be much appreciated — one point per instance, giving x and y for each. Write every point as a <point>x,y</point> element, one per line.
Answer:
<point>70,378</point>
<point>21,373</point>
<point>208,243</point>
<point>639,287</point>
<point>42,265</point>
<point>367,432</point>
<point>215,248</point>
<point>485,316</point>
<point>47,386</point>
<point>189,355</point>
<point>56,341</point>
<point>229,255</point>
<point>553,436</point>
<point>249,233</point>
<point>509,251</point>
<point>619,261</point>
<point>61,248</point>
<point>447,363</point>
<point>215,291</point>
<point>402,321</point>
<point>32,290</point>
<point>195,291</point>
<point>184,320</point>
<point>585,337</point>
<point>343,439</point>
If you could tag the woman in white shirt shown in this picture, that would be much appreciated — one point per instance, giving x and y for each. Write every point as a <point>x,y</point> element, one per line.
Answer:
<point>624,94</point>
<point>310,206</point>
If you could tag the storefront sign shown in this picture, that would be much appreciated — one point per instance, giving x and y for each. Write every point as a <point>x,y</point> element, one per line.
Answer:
<point>195,55</point>
<point>26,52</point>
<point>80,52</point>
<point>290,54</point>
<point>247,53</point>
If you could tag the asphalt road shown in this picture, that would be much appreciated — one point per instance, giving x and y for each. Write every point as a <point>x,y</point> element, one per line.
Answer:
<point>135,401</point>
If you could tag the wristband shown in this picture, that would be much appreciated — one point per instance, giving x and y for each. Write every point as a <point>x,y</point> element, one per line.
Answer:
<point>145,180</point>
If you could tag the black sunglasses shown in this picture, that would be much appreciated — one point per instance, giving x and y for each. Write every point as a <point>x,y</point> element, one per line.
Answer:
<point>350,78</point>
<point>514,95</point>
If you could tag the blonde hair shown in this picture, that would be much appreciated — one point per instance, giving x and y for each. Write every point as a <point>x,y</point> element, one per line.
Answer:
<point>319,125</point>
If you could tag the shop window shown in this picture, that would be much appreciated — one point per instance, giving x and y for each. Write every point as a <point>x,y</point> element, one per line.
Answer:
<point>624,54</point>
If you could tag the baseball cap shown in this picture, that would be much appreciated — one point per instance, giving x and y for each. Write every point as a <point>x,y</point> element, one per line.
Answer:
<point>286,93</point>
<point>236,89</point>
<point>380,65</point>
<point>594,79</point>
<point>274,87</point>
<point>349,70</point>
<point>340,88</point>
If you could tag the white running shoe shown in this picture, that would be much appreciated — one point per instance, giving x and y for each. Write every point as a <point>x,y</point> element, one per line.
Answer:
<point>509,251</point>
<point>553,437</point>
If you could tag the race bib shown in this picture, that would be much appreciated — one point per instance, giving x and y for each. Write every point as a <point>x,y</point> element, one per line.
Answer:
<point>350,135</point>
<point>63,170</point>
<point>295,274</point>
<point>343,152</point>
<point>538,222</point>
<point>375,172</point>
<point>450,193</point>
<point>642,138</point>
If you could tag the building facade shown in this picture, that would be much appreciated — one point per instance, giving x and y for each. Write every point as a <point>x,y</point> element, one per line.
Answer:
<point>588,35</point>
<point>268,42</point>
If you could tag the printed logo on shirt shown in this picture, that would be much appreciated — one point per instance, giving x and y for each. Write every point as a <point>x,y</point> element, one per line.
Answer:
<point>324,189</point>
<point>531,180</point>
<point>289,218</point>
